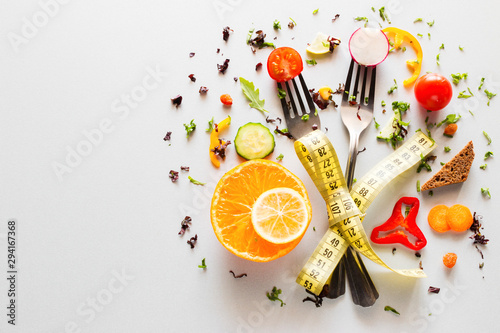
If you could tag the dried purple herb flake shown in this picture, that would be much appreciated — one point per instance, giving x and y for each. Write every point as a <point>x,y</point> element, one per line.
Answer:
<point>168,136</point>
<point>434,290</point>
<point>222,68</point>
<point>185,225</point>
<point>177,100</point>
<point>220,150</point>
<point>192,241</point>
<point>191,77</point>
<point>239,276</point>
<point>184,168</point>
<point>174,175</point>
<point>225,33</point>
<point>203,90</point>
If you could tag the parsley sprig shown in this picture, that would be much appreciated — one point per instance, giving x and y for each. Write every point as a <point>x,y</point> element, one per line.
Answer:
<point>274,295</point>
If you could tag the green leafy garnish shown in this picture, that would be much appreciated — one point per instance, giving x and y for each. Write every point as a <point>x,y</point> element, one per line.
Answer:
<point>462,94</point>
<point>418,20</point>
<point>418,185</point>
<point>274,295</point>
<point>361,18</point>
<point>489,95</point>
<point>210,125</point>
<point>483,167</point>
<point>486,192</point>
<point>281,93</point>
<point>194,181</point>
<point>430,24</point>
<point>377,125</point>
<point>450,119</point>
<point>383,15</point>
<point>394,87</point>
<point>487,137</point>
<point>447,149</point>
<point>276,25</point>
<point>481,85</point>
<point>305,117</point>
<point>311,62</point>
<point>442,46</point>
<point>382,103</point>
<point>401,106</point>
<point>315,11</point>
<point>488,155</point>
<point>390,308</point>
<point>420,35</point>
<point>423,164</point>
<point>249,36</point>
<point>431,193</point>
<point>291,19</point>
<point>280,157</point>
<point>252,95</point>
<point>442,163</point>
<point>460,48</point>
<point>457,77</point>
<point>429,35</point>
<point>202,264</point>
<point>437,59</point>
<point>190,128</point>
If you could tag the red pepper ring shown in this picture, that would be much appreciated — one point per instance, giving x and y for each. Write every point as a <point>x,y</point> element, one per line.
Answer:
<point>409,223</point>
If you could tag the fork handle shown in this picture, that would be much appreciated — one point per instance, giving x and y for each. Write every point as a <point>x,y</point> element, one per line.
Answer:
<point>351,160</point>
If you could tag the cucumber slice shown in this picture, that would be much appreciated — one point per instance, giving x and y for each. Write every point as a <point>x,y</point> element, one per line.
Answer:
<point>391,129</point>
<point>253,141</point>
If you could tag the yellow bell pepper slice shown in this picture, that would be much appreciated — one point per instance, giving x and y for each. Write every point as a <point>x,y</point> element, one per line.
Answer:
<point>214,140</point>
<point>414,64</point>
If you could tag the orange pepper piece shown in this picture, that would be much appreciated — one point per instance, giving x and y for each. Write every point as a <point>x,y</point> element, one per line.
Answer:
<point>214,140</point>
<point>414,64</point>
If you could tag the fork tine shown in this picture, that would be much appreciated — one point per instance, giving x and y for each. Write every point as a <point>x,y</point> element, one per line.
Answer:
<point>284,106</point>
<point>355,90</point>
<point>371,97</point>
<point>347,84</point>
<point>363,89</point>
<point>297,93</point>
<point>309,100</point>
<point>295,112</point>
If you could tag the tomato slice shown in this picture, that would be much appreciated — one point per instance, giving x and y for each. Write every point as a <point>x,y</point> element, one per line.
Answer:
<point>284,63</point>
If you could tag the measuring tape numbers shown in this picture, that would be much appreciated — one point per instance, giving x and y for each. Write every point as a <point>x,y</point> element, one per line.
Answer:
<point>346,210</point>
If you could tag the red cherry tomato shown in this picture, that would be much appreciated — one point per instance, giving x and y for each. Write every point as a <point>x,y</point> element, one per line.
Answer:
<point>433,91</point>
<point>284,63</point>
<point>226,99</point>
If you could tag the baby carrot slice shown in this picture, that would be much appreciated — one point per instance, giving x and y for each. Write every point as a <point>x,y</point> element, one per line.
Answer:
<point>437,218</point>
<point>449,259</point>
<point>459,218</point>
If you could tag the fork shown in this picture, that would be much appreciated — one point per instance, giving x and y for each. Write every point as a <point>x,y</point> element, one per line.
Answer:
<point>356,114</point>
<point>359,280</point>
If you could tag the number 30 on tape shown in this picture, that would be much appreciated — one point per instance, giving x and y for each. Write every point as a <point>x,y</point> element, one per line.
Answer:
<point>346,210</point>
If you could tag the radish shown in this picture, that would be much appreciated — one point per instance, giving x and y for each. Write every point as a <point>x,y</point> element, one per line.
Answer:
<point>369,46</point>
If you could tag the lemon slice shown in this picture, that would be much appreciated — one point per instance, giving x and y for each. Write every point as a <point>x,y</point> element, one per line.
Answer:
<point>320,44</point>
<point>280,215</point>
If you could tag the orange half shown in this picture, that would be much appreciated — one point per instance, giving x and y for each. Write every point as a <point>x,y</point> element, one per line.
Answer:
<point>232,202</point>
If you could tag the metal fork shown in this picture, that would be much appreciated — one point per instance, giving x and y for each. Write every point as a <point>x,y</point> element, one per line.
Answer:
<point>359,280</point>
<point>356,114</point>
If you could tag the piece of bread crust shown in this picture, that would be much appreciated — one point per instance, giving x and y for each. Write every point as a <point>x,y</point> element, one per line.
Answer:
<point>455,171</point>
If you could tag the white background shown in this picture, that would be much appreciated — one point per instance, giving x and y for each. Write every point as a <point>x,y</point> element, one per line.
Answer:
<point>116,211</point>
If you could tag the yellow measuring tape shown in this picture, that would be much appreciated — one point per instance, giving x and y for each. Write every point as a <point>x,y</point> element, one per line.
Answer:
<point>346,210</point>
